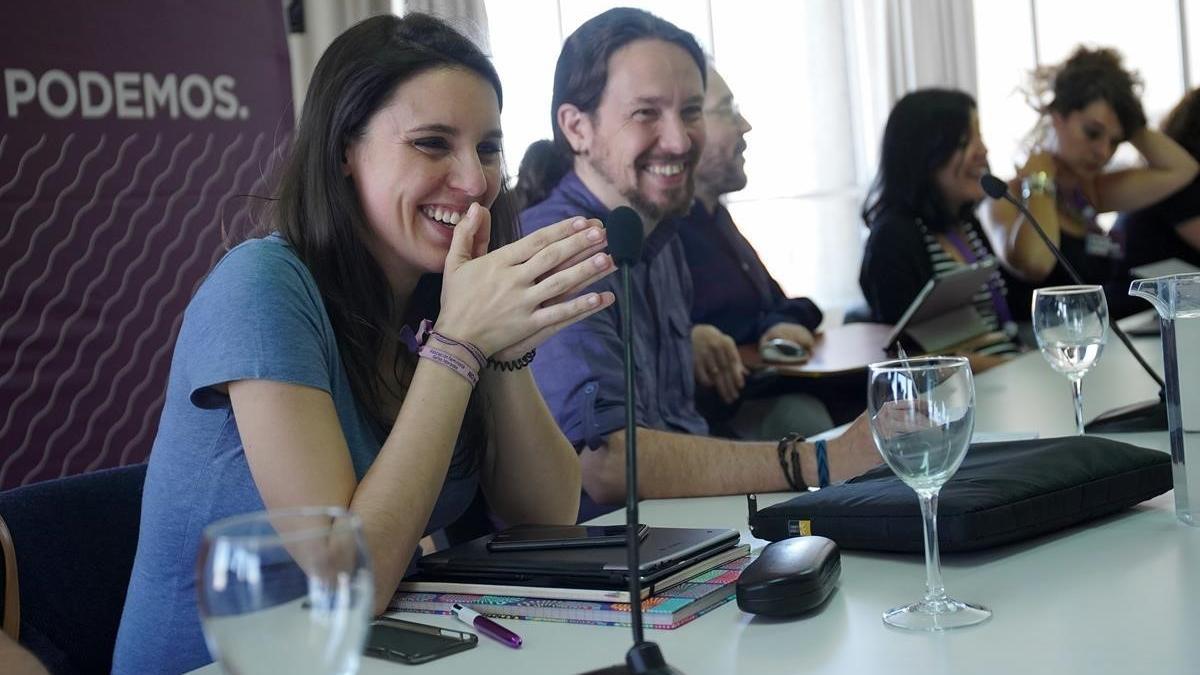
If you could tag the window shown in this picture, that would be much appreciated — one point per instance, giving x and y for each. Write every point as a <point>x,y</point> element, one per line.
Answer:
<point>1012,38</point>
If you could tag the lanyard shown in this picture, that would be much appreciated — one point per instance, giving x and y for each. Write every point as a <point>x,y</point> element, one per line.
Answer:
<point>1003,313</point>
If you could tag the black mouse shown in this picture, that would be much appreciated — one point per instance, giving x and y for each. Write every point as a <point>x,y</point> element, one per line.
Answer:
<point>790,577</point>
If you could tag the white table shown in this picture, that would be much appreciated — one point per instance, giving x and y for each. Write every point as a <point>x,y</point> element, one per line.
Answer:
<point>1118,596</point>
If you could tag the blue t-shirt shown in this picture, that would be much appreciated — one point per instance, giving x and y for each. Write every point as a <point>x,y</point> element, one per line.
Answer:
<point>258,316</point>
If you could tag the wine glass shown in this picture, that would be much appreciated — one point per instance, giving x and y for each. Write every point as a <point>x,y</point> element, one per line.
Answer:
<point>922,412</point>
<point>1071,325</point>
<point>287,591</point>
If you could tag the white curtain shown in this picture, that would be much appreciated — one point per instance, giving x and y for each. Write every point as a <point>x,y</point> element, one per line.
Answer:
<point>932,44</point>
<point>468,17</point>
<point>324,20</point>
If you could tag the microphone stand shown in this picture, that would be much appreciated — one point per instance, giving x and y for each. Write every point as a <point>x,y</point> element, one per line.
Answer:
<point>1143,416</point>
<point>644,658</point>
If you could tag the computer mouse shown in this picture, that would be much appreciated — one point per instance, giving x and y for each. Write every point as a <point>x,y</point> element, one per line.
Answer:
<point>780,350</point>
<point>790,577</point>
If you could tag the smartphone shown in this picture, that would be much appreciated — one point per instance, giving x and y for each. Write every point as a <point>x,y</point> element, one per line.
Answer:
<point>412,643</point>
<point>537,537</point>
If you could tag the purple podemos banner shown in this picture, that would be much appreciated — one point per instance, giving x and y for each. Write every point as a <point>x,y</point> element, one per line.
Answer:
<point>130,131</point>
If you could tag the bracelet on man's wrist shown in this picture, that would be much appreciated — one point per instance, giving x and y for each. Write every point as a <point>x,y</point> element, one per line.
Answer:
<point>789,461</point>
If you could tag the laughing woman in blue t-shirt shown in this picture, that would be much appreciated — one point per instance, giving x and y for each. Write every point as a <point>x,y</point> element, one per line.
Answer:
<point>292,384</point>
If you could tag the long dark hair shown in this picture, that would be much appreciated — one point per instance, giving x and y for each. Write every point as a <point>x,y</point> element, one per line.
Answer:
<point>317,209</point>
<point>923,131</point>
<point>581,72</point>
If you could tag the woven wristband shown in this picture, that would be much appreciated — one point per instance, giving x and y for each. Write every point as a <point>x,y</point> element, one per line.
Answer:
<point>450,361</point>
<point>822,464</point>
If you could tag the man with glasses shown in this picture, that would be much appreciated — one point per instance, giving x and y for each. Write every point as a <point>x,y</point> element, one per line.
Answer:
<point>736,301</point>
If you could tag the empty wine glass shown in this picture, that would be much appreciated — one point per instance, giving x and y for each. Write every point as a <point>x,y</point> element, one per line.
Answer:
<point>922,412</point>
<point>1071,325</point>
<point>286,591</point>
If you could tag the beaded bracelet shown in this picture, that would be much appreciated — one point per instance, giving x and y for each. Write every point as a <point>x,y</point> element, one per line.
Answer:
<point>793,476</point>
<point>515,364</point>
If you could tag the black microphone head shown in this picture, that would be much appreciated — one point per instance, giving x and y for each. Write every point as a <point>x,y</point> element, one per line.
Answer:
<point>625,235</point>
<point>994,187</point>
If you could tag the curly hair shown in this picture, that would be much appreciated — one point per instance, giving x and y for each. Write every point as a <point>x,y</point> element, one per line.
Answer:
<point>1087,76</point>
<point>1182,124</point>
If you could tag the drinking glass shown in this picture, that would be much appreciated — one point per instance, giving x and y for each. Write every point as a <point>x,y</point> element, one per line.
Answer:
<point>286,591</point>
<point>922,412</point>
<point>1071,325</point>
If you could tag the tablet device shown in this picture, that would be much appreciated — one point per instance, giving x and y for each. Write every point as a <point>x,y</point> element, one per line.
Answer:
<point>943,314</point>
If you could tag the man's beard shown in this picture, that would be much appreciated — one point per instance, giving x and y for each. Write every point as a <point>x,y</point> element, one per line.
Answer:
<point>642,204</point>
<point>720,179</point>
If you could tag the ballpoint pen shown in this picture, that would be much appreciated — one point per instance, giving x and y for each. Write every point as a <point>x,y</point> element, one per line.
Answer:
<point>486,626</point>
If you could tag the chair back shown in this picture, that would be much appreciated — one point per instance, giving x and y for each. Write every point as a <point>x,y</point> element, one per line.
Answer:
<point>74,541</point>
<point>10,608</point>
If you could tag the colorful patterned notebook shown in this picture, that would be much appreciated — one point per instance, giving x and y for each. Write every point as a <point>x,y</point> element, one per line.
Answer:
<point>670,609</point>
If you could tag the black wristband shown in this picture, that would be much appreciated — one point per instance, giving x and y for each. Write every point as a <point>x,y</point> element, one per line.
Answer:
<point>789,461</point>
<point>515,364</point>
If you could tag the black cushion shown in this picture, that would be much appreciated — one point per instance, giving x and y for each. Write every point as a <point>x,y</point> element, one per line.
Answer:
<point>75,539</point>
<point>1002,493</point>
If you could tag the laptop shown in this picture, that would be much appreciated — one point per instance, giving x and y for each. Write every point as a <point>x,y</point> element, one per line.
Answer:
<point>664,551</point>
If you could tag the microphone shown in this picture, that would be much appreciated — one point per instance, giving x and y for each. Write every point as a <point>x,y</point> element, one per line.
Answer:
<point>1147,416</point>
<point>625,236</point>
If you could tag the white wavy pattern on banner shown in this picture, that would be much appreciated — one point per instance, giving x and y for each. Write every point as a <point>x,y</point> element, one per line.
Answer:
<point>99,369</point>
<point>150,424</point>
<point>65,328</point>
<point>37,191</point>
<point>21,165</point>
<point>42,226</point>
<point>112,258</point>
<point>48,268</point>
<point>92,403</point>
<point>154,331</point>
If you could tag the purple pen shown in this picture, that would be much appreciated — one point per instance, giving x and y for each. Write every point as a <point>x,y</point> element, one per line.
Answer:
<point>486,626</point>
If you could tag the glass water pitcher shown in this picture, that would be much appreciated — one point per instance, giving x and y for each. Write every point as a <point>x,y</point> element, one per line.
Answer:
<point>1177,299</point>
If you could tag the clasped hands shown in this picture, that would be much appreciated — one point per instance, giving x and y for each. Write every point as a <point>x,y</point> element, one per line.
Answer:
<point>510,300</point>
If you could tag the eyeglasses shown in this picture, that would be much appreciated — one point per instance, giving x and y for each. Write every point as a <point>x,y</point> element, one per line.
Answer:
<point>728,112</point>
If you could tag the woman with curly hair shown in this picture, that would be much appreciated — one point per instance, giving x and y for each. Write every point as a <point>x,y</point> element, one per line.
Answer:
<point>1089,105</point>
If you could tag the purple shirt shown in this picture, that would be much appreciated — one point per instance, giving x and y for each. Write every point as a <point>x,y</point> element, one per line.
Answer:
<point>579,370</point>
<point>733,289</point>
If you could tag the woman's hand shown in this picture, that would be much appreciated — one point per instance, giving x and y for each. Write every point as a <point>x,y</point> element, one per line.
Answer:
<point>510,300</point>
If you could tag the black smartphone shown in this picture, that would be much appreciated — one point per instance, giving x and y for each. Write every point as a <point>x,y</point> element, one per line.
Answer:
<point>536,537</point>
<point>412,643</point>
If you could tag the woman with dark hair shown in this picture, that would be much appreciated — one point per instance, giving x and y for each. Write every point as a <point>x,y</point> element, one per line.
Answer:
<point>1089,105</point>
<point>1171,227</point>
<point>370,352</point>
<point>542,166</point>
<point>921,209</point>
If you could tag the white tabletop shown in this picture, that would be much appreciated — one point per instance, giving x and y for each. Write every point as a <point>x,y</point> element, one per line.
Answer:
<point>1121,595</point>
